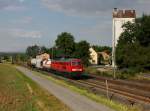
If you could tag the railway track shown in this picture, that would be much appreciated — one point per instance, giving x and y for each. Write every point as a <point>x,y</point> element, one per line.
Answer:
<point>141,85</point>
<point>127,93</point>
<point>130,91</point>
<point>121,87</point>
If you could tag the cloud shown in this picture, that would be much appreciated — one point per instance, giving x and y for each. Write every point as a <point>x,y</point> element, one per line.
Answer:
<point>12,40</point>
<point>14,8</point>
<point>22,20</point>
<point>91,7</point>
<point>21,1</point>
<point>19,33</point>
<point>100,11</point>
<point>11,5</point>
<point>26,20</point>
<point>143,1</point>
<point>99,33</point>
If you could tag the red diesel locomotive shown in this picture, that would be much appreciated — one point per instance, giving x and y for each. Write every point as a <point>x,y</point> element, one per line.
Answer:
<point>72,67</point>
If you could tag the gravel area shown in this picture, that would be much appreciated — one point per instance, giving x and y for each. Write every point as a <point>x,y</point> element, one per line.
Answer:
<point>72,99</point>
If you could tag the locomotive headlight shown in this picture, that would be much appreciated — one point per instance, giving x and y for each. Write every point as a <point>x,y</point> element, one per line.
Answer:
<point>76,69</point>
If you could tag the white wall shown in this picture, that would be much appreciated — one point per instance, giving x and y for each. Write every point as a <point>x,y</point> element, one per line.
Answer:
<point>117,30</point>
<point>117,27</point>
<point>93,56</point>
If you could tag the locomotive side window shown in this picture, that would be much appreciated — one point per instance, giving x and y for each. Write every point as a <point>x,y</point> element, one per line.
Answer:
<point>76,63</point>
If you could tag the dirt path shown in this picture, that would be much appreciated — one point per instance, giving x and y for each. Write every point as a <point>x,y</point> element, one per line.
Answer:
<point>73,100</point>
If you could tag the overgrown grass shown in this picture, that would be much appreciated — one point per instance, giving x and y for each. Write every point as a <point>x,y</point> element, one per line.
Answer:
<point>142,77</point>
<point>100,99</point>
<point>120,74</point>
<point>19,93</point>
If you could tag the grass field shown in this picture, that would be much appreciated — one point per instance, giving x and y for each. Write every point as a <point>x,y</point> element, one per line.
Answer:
<point>19,93</point>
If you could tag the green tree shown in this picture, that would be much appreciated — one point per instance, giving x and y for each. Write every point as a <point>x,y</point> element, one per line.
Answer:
<point>7,58</point>
<point>82,52</point>
<point>55,52</point>
<point>133,48</point>
<point>65,43</point>
<point>32,51</point>
<point>23,57</point>
<point>143,30</point>
<point>44,49</point>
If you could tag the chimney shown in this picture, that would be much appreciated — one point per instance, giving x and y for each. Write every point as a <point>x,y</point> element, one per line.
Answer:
<point>115,12</point>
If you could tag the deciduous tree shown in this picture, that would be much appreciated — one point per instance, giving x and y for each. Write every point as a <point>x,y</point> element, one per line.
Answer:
<point>133,49</point>
<point>32,51</point>
<point>65,43</point>
<point>82,51</point>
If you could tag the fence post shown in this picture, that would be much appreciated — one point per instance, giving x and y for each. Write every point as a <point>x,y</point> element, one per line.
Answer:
<point>107,88</point>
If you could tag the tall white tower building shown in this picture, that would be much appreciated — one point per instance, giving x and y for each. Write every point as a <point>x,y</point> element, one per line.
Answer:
<point>120,17</point>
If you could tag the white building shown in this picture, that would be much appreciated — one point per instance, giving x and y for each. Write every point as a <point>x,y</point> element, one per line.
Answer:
<point>95,57</point>
<point>120,17</point>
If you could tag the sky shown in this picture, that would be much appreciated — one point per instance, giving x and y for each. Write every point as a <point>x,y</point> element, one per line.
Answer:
<point>28,22</point>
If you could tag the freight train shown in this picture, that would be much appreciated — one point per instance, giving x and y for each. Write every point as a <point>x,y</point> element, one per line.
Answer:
<point>70,67</point>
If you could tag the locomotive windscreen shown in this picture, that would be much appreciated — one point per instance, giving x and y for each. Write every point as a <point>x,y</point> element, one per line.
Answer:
<point>76,63</point>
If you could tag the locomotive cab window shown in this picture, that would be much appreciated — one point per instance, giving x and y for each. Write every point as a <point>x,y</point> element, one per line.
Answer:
<point>76,63</point>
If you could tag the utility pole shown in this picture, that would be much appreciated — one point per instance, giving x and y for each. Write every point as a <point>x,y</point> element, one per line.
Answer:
<point>52,53</point>
<point>114,48</point>
<point>114,52</point>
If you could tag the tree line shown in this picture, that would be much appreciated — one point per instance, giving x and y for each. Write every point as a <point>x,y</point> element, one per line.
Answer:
<point>65,46</point>
<point>13,57</point>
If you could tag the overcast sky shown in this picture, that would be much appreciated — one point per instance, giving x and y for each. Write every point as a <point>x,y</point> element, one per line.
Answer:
<point>28,22</point>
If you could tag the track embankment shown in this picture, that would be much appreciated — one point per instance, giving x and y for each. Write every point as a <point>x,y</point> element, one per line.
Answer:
<point>72,99</point>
